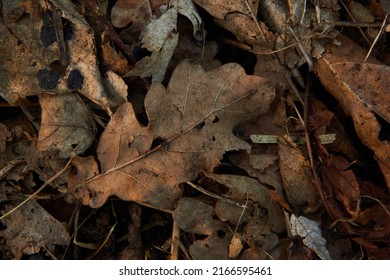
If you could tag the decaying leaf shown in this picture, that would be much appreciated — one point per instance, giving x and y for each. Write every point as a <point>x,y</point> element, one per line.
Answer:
<point>188,9</point>
<point>18,67</point>
<point>296,175</point>
<point>359,12</point>
<point>31,228</point>
<point>311,233</point>
<point>235,247</point>
<point>66,126</point>
<point>136,12</point>
<point>31,56</point>
<point>341,182</point>
<point>342,74</point>
<point>270,177</point>
<point>194,216</point>
<point>192,121</point>
<point>116,89</point>
<point>212,247</point>
<point>242,188</point>
<point>160,37</point>
<point>236,17</point>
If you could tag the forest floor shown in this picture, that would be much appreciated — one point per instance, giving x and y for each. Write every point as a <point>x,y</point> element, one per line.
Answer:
<point>192,129</point>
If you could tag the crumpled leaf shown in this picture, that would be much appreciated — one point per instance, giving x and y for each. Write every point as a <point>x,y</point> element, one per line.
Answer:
<point>341,182</point>
<point>192,122</point>
<point>296,175</point>
<point>82,54</point>
<point>311,233</point>
<point>361,90</point>
<point>359,12</point>
<point>270,177</point>
<point>212,247</point>
<point>116,89</point>
<point>242,188</point>
<point>194,216</point>
<point>67,132</point>
<point>30,228</point>
<point>188,9</point>
<point>24,55</point>
<point>160,38</point>
<point>156,64</point>
<point>130,11</point>
<point>235,247</point>
<point>237,18</point>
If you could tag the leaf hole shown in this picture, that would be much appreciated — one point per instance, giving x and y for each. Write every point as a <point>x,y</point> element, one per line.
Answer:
<point>156,142</point>
<point>215,120</point>
<point>74,146</point>
<point>221,233</point>
<point>200,125</point>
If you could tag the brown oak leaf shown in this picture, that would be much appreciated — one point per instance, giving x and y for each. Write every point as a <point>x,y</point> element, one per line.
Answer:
<point>190,129</point>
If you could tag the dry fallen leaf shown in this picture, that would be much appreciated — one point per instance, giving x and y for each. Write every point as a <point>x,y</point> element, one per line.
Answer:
<point>31,228</point>
<point>296,175</point>
<point>235,247</point>
<point>197,217</point>
<point>341,182</point>
<point>192,215</point>
<point>242,188</point>
<point>270,177</point>
<point>66,127</point>
<point>361,90</point>
<point>212,247</point>
<point>311,233</point>
<point>161,38</point>
<point>135,12</point>
<point>192,122</point>
<point>31,57</point>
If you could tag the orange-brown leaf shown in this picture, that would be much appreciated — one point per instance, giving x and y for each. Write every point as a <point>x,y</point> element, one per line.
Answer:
<point>192,122</point>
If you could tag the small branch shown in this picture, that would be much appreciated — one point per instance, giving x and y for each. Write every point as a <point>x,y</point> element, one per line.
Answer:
<point>206,192</point>
<point>175,243</point>
<point>354,24</point>
<point>377,37</point>
<point>48,182</point>
<point>353,18</point>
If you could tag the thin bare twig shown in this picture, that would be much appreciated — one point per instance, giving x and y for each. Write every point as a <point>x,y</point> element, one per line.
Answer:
<point>306,112</point>
<point>353,18</point>
<point>175,243</point>
<point>206,192</point>
<point>354,24</point>
<point>48,182</point>
<point>377,37</point>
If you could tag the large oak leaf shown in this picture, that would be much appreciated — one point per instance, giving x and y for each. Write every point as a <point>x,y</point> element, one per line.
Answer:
<point>192,119</point>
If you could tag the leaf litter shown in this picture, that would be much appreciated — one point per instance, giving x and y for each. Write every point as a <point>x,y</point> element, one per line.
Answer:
<point>135,118</point>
